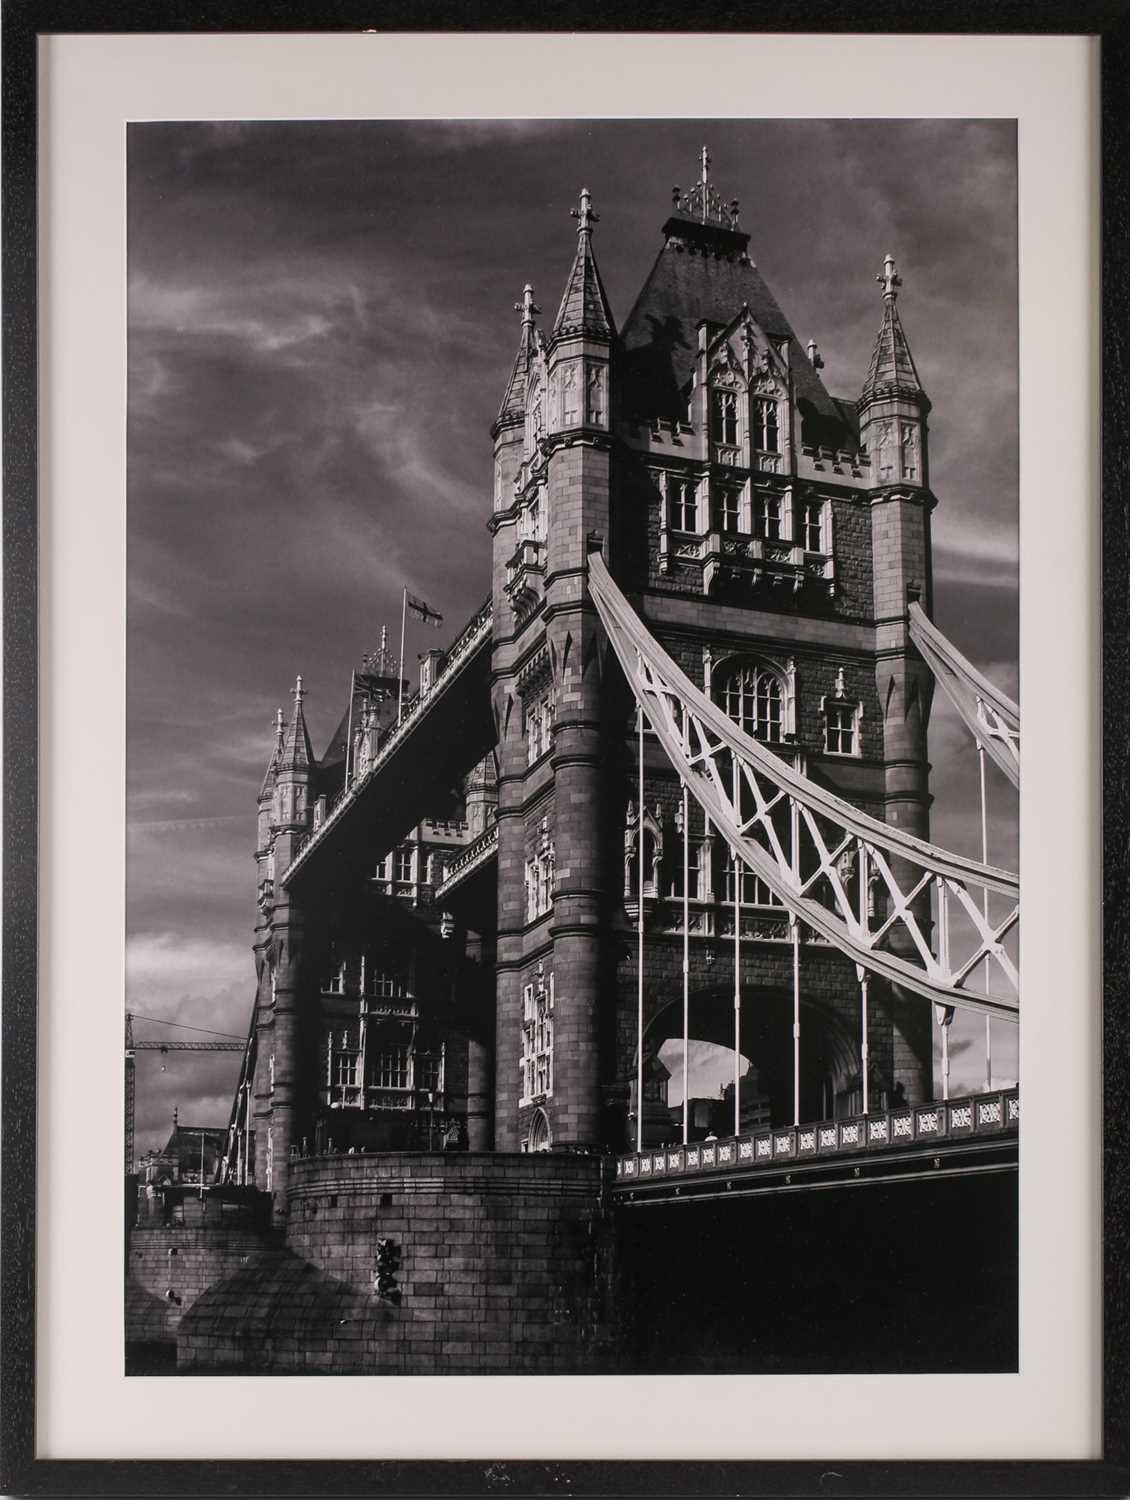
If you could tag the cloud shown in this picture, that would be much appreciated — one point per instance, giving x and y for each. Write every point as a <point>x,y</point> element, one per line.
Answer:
<point>321,326</point>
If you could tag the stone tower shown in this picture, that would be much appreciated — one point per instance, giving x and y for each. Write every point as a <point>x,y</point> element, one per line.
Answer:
<point>284,813</point>
<point>769,534</point>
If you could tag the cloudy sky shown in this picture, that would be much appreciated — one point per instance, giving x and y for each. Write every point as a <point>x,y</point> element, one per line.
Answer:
<point>321,326</point>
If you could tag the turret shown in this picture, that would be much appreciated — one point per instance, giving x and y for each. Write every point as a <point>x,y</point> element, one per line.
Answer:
<point>582,335</point>
<point>893,406</point>
<point>276,1093</point>
<point>267,790</point>
<point>292,779</point>
<point>508,430</point>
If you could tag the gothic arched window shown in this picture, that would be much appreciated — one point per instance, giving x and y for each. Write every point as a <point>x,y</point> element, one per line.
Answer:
<point>754,697</point>
<point>724,417</point>
<point>766,426</point>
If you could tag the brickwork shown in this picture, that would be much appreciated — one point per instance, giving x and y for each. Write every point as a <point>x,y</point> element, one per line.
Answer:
<point>169,1268</point>
<point>503,1268</point>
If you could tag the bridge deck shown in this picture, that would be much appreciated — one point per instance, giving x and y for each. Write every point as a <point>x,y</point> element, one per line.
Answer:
<point>974,1134</point>
<point>442,735</point>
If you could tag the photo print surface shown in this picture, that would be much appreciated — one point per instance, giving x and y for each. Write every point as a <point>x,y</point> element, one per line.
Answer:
<point>572,747</point>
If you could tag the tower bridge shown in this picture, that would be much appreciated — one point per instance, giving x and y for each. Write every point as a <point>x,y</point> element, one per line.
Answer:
<point>668,790</point>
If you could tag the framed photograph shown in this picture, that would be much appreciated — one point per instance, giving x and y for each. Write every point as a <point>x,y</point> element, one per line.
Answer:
<point>524,553</point>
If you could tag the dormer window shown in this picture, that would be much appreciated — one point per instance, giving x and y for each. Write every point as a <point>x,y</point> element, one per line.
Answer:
<point>766,428</point>
<point>724,417</point>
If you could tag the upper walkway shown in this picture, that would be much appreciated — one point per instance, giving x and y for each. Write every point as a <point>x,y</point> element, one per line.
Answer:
<point>442,734</point>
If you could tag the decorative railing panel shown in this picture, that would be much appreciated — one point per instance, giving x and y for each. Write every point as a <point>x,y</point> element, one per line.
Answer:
<point>980,1115</point>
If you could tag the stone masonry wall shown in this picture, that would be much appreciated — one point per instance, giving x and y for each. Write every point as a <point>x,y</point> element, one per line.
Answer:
<point>503,1267</point>
<point>183,1261</point>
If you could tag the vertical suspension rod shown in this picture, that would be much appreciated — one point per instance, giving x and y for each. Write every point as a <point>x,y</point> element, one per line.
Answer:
<point>794,924</point>
<point>985,903</point>
<point>639,925</point>
<point>737,959</point>
<point>686,959</point>
<point>945,1015</point>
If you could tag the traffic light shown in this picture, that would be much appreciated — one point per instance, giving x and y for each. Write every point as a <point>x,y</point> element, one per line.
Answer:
<point>388,1264</point>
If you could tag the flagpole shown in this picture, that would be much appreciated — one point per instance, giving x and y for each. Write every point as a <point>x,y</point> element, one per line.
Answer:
<point>403,623</point>
<point>349,727</point>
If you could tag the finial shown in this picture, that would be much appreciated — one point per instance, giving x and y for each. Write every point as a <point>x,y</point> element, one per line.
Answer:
<point>815,358</point>
<point>384,639</point>
<point>890,279</point>
<point>704,202</point>
<point>528,307</point>
<point>299,693</point>
<point>280,728</point>
<point>584,215</point>
<point>175,1112</point>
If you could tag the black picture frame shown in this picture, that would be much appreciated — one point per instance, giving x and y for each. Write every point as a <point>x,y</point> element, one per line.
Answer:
<point>21,1473</point>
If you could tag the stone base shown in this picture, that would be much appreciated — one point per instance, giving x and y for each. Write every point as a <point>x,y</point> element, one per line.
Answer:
<point>502,1264</point>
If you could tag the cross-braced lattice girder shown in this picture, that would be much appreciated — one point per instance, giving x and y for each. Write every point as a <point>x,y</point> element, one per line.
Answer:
<point>991,716</point>
<point>882,897</point>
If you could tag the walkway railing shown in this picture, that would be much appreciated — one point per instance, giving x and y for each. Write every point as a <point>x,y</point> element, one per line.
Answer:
<point>917,1125</point>
<point>477,629</point>
<point>476,854</point>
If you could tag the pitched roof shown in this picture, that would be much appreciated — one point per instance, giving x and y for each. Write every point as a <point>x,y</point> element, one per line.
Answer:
<point>513,407</point>
<point>892,365</point>
<point>703,272</point>
<point>296,752</point>
<point>584,304</point>
<point>268,786</point>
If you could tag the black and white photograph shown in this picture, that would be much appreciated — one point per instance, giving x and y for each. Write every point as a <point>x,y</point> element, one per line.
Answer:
<point>573,743</point>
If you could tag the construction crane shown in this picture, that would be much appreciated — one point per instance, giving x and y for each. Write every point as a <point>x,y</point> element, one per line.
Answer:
<point>225,1041</point>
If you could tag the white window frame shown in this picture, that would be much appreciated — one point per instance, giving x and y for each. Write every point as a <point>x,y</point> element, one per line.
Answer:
<point>754,891</point>
<point>694,869</point>
<point>679,485</point>
<point>840,705</point>
<point>820,526</point>
<point>751,723</point>
<point>536,1062</point>
<point>399,1053</point>
<point>538,714</point>
<point>733,493</point>
<point>769,516</point>
<point>725,417</point>
<point>765,407</point>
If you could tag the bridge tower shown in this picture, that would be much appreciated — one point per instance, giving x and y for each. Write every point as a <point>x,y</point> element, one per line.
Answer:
<point>893,409</point>
<point>769,534</point>
<point>553,489</point>
<point>284,813</point>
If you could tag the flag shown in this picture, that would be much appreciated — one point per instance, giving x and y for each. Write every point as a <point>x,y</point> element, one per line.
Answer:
<point>429,615</point>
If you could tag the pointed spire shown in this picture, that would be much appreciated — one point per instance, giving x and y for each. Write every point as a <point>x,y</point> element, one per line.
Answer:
<point>584,307</point>
<point>296,754</point>
<point>892,366</point>
<point>513,406</point>
<point>266,790</point>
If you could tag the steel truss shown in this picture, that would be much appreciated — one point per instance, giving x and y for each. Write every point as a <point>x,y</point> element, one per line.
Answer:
<point>897,906</point>
<point>990,715</point>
